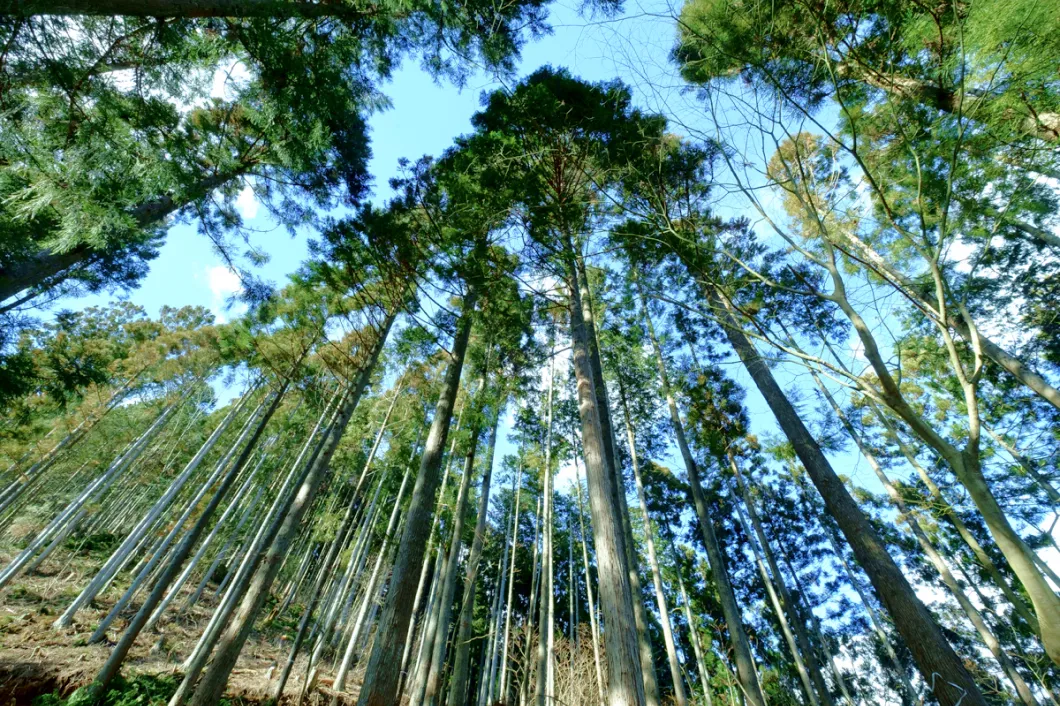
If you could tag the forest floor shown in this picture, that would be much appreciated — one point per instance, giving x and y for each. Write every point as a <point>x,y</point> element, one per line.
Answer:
<point>37,660</point>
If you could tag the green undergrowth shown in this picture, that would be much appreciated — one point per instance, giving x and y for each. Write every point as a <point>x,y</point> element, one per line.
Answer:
<point>94,545</point>
<point>139,690</point>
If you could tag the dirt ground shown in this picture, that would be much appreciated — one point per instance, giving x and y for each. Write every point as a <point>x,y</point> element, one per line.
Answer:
<point>37,659</point>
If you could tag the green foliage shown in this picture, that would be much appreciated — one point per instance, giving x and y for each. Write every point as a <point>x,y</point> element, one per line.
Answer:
<point>140,690</point>
<point>98,544</point>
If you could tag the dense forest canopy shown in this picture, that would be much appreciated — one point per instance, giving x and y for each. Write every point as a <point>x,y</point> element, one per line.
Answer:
<point>754,402</point>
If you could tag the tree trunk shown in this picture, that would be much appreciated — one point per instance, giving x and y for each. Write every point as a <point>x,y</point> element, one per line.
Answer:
<point>974,616</point>
<point>647,663</point>
<point>369,591</point>
<point>649,540</point>
<point>213,683</point>
<point>625,683</point>
<point>745,666</point>
<point>693,633</point>
<point>804,646</point>
<point>595,629</point>
<point>938,663</point>
<point>447,589</point>
<point>785,628</point>
<point>546,608</point>
<point>462,656</point>
<point>381,678</point>
<point>71,516</point>
<point>121,650</point>
<point>426,567</point>
<point>514,544</point>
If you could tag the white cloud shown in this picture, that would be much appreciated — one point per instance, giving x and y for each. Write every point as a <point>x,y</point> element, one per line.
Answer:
<point>223,283</point>
<point>247,203</point>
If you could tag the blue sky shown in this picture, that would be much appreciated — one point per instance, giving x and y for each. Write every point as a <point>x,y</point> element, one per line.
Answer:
<point>424,118</point>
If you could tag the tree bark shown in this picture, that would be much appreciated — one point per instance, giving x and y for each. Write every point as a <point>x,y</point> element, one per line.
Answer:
<point>213,683</point>
<point>593,626</point>
<point>745,666</point>
<point>647,663</point>
<point>462,656</point>
<point>625,685</point>
<point>940,666</point>
<point>384,666</point>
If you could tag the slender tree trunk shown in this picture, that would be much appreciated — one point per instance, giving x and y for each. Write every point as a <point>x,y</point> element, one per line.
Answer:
<point>370,589</point>
<point>649,540</point>
<point>158,552</point>
<point>785,628</point>
<point>514,544</point>
<point>231,643</point>
<point>974,616</point>
<point>174,589</point>
<point>66,522</point>
<point>837,676</point>
<point>323,573</point>
<point>794,624</point>
<point>940,666</point>
<point>594,627</point>
<point>745,666</point>
<point>447,590</point>
<point>111,567</point>
<point>949,513</point>
<point>693,633</point>
<point>546,607</point>
<point>132,631</point>
<point>535,582</point>
<point>625,682</point>
<point>462,657</point>
<point>383,672</point>
<point>426,568</point>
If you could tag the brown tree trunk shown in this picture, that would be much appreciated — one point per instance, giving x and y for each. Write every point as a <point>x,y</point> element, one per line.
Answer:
<point>745,666</point>
<point>940,666</point>
<point>213,683</point>
<point>384,666</point>
<point>462,658</point>
<point>625,685</point>
<point>647,663</point>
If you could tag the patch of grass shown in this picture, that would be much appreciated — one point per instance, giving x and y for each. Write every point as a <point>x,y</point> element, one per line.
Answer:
<point>140,690</point>
<point>21,594</point>
<point>96,544</point>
